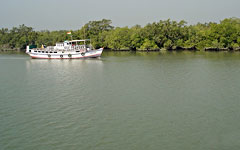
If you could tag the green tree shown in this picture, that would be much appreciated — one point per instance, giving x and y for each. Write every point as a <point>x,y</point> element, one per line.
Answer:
<point>119,38</point>
<point>94,30</point>
<point>148,44</point>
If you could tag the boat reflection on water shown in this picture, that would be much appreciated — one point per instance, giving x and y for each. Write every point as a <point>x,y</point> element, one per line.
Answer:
<point>63,65</point>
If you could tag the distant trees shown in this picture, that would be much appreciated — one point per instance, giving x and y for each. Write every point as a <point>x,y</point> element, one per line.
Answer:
<point>163,34</point>
<point>17,37</point>
<point>50,38</point>
<point>96,31</point>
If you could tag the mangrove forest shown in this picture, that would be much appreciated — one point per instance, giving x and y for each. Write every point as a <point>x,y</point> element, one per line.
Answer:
<point>165,34</point>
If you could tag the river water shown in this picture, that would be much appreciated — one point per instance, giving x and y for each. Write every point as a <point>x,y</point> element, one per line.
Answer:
<point>122,101</point>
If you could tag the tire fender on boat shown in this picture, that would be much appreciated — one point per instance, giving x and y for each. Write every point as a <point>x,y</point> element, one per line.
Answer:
<point>69,55</point>
<point>82,54</point>
<point>49,56</point>
<point>61,56</point>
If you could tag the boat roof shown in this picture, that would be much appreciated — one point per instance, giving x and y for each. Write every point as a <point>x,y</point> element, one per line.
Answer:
<point>79,40</point>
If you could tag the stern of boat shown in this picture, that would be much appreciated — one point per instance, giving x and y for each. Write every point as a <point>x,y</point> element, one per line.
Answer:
<point>27,49</point>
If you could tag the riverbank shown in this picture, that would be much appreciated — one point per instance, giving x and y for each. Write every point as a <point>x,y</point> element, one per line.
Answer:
<point>8,49</point>
<point>210,49</point>
<point>183,49</point>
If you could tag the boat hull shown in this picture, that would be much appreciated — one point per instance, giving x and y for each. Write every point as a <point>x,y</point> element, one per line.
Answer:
<point>66,55</point>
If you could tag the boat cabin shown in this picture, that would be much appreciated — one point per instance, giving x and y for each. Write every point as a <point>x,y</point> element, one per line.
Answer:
<point>74,44</point>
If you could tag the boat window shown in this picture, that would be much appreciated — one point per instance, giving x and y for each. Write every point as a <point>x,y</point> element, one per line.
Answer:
<point>77,51</point>
<point>46,51</point>
<point>29,50</point>
<point>50,52</point>
<point>35,51</point>
<point>42,51</point>
<point>39,51</point>
<point>55,52</point>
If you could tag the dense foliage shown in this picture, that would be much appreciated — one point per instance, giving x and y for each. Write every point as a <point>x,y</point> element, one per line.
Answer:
<point>163,34</point>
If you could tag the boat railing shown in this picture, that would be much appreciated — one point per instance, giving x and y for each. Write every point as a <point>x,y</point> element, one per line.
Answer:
<point>50,48</point>
<point>80,48</point>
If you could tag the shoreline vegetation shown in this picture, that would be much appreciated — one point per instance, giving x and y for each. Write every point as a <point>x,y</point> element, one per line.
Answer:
<point>163,35</point>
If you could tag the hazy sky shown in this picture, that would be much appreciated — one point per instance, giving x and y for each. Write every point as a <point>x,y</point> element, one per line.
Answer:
<point>72,14</point>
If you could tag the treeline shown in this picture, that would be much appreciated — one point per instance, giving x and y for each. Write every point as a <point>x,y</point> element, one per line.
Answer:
<point>165,34</point>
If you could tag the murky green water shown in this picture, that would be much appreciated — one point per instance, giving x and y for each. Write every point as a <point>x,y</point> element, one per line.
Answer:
<point>123,101</point>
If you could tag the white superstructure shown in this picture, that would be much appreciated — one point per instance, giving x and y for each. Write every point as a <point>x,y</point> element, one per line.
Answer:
<point>66,50</point>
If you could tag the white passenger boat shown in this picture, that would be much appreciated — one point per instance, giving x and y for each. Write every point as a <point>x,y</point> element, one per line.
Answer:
<point>67,50</point>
